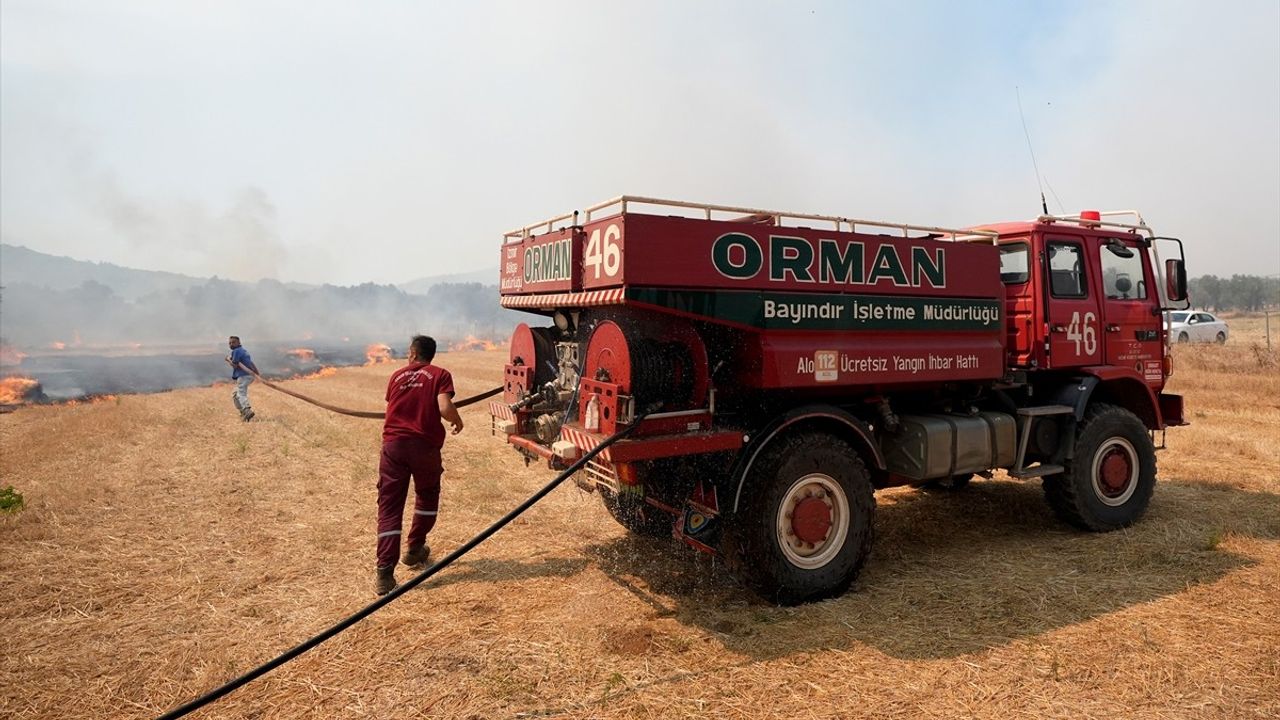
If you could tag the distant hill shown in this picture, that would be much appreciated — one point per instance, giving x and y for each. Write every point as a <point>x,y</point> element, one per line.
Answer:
<point>423,284</point>
<point>23,265</point>
<point>48,300</point>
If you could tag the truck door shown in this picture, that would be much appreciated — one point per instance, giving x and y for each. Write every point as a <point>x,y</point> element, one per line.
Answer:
<point>1072,307</point>
<point>1130,331</point>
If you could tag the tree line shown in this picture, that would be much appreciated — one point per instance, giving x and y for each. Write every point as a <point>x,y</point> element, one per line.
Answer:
<point>1248,293</point>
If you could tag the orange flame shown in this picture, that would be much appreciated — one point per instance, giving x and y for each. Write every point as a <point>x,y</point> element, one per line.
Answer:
<point>11,356</point>
<point>92,400</point>
<point>377,354</point>
<point>58,345</point>
<point>472,343</point>
<point>17,390</point>
<point>302,354</point>
<point>323,372</point>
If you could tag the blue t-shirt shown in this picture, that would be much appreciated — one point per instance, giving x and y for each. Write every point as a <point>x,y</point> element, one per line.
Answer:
<point>240,355</point>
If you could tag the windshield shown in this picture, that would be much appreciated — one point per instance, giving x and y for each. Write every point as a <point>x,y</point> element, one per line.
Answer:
<point>1180,317</point>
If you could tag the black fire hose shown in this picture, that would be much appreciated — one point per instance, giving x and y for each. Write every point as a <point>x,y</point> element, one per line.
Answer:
<point>361,413</point>
<point>399,590</point>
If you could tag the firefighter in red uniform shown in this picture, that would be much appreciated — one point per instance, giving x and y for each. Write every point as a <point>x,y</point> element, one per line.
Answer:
<point>419,395</point>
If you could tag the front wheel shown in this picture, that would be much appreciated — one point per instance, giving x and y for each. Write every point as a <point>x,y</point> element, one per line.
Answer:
<point>1109,480</point>
<point>1183,337</point>
<point>804,528</point>
<point>1222,338</point>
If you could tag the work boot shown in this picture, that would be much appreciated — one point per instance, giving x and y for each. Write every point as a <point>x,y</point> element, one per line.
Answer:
<point>386,580</point>
<point>417,556</point>
<point>247,415</point>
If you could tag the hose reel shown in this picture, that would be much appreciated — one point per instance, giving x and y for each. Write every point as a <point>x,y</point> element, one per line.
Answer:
<point>671,370</point>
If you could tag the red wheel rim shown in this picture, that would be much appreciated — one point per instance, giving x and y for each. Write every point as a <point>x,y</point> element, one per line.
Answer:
<point>1116,472</point>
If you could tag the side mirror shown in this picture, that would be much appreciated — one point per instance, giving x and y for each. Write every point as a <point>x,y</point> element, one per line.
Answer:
<point>1175,278</point>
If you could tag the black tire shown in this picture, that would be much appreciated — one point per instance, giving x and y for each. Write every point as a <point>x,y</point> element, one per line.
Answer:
<point>1108,482</point>
<point>823,479</point>
<point>1183,337</point>
<point>636,515</point>
<point>1222,338</point>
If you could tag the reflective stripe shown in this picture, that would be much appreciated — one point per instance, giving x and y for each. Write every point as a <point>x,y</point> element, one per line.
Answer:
<point>424,512</point>
<point>388,533</point>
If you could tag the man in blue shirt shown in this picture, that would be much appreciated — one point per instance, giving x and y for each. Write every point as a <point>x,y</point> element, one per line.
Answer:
<point>241,365</point>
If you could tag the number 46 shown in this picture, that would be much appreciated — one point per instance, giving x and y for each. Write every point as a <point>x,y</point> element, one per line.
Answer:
<point>1087,337</point>
<point>604,253</point>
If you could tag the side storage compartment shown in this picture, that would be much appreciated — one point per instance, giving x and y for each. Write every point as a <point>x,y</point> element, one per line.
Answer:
<point>928,447</point>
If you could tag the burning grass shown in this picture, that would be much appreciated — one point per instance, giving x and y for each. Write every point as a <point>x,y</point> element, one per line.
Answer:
<point>166,546</point>
<point>378,354</point>
<point>473,344</point>
<point>19,390</point>
<point>323,372</point>
<point>303,355</point>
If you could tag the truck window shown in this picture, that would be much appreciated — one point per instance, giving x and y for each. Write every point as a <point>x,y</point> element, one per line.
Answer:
<point>1122,278</point>
<point>1013,263</point>
<point>1066,271</point>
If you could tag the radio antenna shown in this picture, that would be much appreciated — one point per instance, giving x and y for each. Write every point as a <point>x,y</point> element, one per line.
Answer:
<point>1039,183</point>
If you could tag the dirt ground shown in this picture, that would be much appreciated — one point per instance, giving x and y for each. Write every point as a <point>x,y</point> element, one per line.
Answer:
<point>165,547</point>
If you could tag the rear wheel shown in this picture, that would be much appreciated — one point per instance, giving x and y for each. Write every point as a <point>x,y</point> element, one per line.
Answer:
<point>804,528</point>
<point>1222,337</point>
<point>1109,480</point>
<point>1183,337</point>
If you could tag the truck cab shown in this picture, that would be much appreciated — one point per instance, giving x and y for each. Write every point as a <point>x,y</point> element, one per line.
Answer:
<point>1085,296</point>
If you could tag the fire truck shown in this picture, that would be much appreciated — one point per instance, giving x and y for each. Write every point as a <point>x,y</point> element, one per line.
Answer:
<point>776,369</point>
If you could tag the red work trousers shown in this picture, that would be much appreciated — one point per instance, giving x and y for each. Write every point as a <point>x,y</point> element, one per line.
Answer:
<point>402,458</point>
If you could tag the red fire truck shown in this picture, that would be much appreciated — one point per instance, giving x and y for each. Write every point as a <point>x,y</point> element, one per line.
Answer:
<point>782,367</point>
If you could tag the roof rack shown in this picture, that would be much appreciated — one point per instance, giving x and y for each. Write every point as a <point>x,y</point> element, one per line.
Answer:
<point>1140,225</point>
<point>778,218</point>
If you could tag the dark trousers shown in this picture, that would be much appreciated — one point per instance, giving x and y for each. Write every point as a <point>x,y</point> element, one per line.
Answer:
<point>401,459</point>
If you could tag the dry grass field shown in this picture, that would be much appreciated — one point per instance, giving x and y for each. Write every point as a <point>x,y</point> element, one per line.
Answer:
<point>166,546</point>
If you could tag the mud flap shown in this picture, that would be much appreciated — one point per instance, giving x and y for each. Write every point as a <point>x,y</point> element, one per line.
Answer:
<point>699,524</point>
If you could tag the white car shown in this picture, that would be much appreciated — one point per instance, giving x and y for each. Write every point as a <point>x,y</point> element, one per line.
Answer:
<point>1188,326</point>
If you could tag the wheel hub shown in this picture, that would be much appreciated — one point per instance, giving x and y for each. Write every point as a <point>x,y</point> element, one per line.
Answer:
<point>813,521</point>
<point>1116,472</point>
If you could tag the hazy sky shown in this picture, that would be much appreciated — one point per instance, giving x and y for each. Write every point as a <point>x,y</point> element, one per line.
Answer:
<point>352,142</point>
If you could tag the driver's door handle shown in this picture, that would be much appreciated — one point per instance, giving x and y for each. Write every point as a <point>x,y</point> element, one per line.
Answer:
<point>1058,328</point>
<point>1113,328</point>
